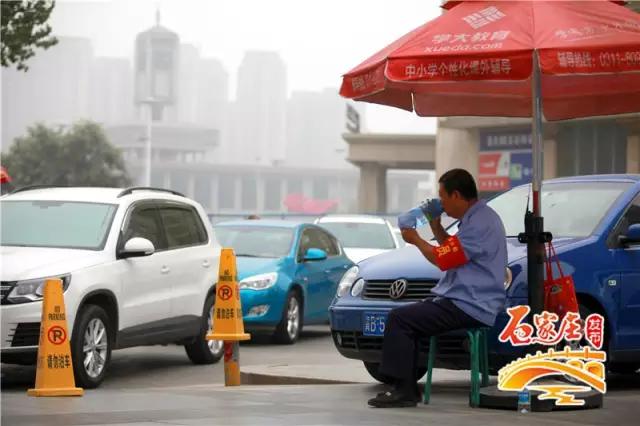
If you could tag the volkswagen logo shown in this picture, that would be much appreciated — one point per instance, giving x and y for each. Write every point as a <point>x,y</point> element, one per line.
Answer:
<point>397,289</point>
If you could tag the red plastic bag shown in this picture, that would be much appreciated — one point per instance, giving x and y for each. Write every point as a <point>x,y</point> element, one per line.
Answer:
<point>559,293</point>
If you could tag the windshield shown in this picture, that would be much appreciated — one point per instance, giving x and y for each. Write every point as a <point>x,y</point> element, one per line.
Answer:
<point>361,235</point>
<point>256,241</point>
<point>569,209</point>
<point>56,224</point>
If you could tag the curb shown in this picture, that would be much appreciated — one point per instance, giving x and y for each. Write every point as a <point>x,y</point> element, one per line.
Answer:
<point>255,378</point>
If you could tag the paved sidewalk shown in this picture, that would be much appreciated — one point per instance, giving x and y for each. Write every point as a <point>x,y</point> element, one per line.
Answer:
<point>287,405</point>
<point>347,371</point>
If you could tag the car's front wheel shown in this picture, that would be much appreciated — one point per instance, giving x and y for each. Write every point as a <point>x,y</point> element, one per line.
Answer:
<point>373,370</point>
<point>203,351</point>
<point>91,346</point>
<point>290,326</point>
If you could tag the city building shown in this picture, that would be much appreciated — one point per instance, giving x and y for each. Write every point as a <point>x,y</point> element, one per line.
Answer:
<point>111,90</point>
<point>213,96</point>
<point>315,123</point>
<point>498,151</point>
<point>260,109</point>
<point>157,52</point>
<point>55,90</point>
<point>203,92</point>
<point>178,145</point>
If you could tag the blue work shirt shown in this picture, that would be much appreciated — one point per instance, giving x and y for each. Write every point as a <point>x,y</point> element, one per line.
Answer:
<point>477,287</point>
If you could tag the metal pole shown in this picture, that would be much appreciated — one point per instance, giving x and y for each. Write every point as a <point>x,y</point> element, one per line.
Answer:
<point>534,223</point>
<point>147,171</point>
<point>231,363</point>
<point>149,63</point>
<point>536,134</point>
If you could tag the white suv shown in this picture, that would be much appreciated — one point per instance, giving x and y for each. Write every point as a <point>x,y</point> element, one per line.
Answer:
<point>139,267</point>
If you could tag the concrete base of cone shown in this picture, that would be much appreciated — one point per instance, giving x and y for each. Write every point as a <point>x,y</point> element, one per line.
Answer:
<point>491,397</point>
<point>56,392</point>
<point>228,337</point>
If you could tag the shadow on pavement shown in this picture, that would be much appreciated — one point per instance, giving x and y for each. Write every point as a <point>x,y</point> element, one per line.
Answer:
<point>309,333</point>
<point>164,362</point>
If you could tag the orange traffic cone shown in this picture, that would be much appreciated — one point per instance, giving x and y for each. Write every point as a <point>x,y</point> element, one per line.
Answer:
<point>227,323</point>
<point>54,375</point>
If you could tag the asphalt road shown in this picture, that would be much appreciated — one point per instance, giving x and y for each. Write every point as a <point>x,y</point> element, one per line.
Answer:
<point>166,366</point>
<point>154,386</point>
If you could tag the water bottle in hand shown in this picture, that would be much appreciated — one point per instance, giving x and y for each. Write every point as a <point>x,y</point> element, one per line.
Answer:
<point>419,216</point>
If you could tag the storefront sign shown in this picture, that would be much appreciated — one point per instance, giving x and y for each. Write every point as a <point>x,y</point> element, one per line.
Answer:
<point>504,160</point>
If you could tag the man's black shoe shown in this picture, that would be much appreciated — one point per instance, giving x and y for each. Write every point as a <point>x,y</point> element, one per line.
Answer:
<point>393,399</point>
<point>417,392</point>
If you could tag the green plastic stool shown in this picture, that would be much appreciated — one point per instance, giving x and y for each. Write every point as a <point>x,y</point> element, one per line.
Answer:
<point>479,364</point>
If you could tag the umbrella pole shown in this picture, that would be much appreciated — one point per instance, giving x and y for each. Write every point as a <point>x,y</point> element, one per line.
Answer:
<point>534,222</point>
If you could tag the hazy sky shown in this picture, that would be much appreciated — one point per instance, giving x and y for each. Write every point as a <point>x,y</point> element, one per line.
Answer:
<point>319,40</point>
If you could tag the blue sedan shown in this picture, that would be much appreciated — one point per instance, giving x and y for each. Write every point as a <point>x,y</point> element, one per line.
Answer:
<point>288,273</point>
<point>595,221</point>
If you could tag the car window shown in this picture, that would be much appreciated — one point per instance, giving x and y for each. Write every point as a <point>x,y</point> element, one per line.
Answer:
<point>328,243</point>
<point>256,241</point>
<point>398,235</point>
<point>631,217</point>
<point>59,224</point>
<point>336,246</point>
<point>560,202</point>
<point>315,238</point>
<point>145,223</point>
<point>361,235</point>
<point>305,243</point>
<point>182,226</point>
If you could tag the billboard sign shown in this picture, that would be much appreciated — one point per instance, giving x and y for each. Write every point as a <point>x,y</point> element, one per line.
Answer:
<point>504,160</point>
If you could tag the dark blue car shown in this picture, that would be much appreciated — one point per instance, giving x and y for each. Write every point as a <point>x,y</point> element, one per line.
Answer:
<point>595,221</point>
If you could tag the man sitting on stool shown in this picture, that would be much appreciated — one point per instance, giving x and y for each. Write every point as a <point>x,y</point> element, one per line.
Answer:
<point>469,295</point>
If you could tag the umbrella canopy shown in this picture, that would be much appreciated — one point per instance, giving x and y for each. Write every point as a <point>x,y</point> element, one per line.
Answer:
<point>478,59</point>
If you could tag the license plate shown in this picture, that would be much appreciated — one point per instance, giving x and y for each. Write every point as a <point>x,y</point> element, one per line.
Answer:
<point>373,323</point>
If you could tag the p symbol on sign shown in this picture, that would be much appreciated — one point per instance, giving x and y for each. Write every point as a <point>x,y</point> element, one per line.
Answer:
<point>57,335</point>
<point>225,292</point>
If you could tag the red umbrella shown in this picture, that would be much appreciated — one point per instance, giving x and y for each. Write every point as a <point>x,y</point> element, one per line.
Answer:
<point>566,59</point>
<point>484,50</point>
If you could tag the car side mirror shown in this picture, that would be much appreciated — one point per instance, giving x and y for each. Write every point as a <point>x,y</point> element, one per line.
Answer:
<point>315,254</point>
<point>137,247</point>
<point>632,235</point>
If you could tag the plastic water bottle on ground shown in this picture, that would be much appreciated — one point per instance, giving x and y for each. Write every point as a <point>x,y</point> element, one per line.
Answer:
<point>524,401</point>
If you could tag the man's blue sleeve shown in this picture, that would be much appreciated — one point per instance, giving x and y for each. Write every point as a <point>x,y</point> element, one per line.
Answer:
<point>474,240</point>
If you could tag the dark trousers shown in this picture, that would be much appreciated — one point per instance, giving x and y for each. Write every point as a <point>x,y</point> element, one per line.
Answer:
<point>406,324</point>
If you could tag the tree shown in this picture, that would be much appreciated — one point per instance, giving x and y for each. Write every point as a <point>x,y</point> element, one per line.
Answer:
<point>23,29</point>
<point>81,156</point>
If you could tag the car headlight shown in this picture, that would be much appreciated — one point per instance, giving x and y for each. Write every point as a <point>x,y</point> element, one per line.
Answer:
<point>347,281</point>
<point>508,278</point>
<point>357,288</point>
<point>259,282</point>
<point>33,290</point>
